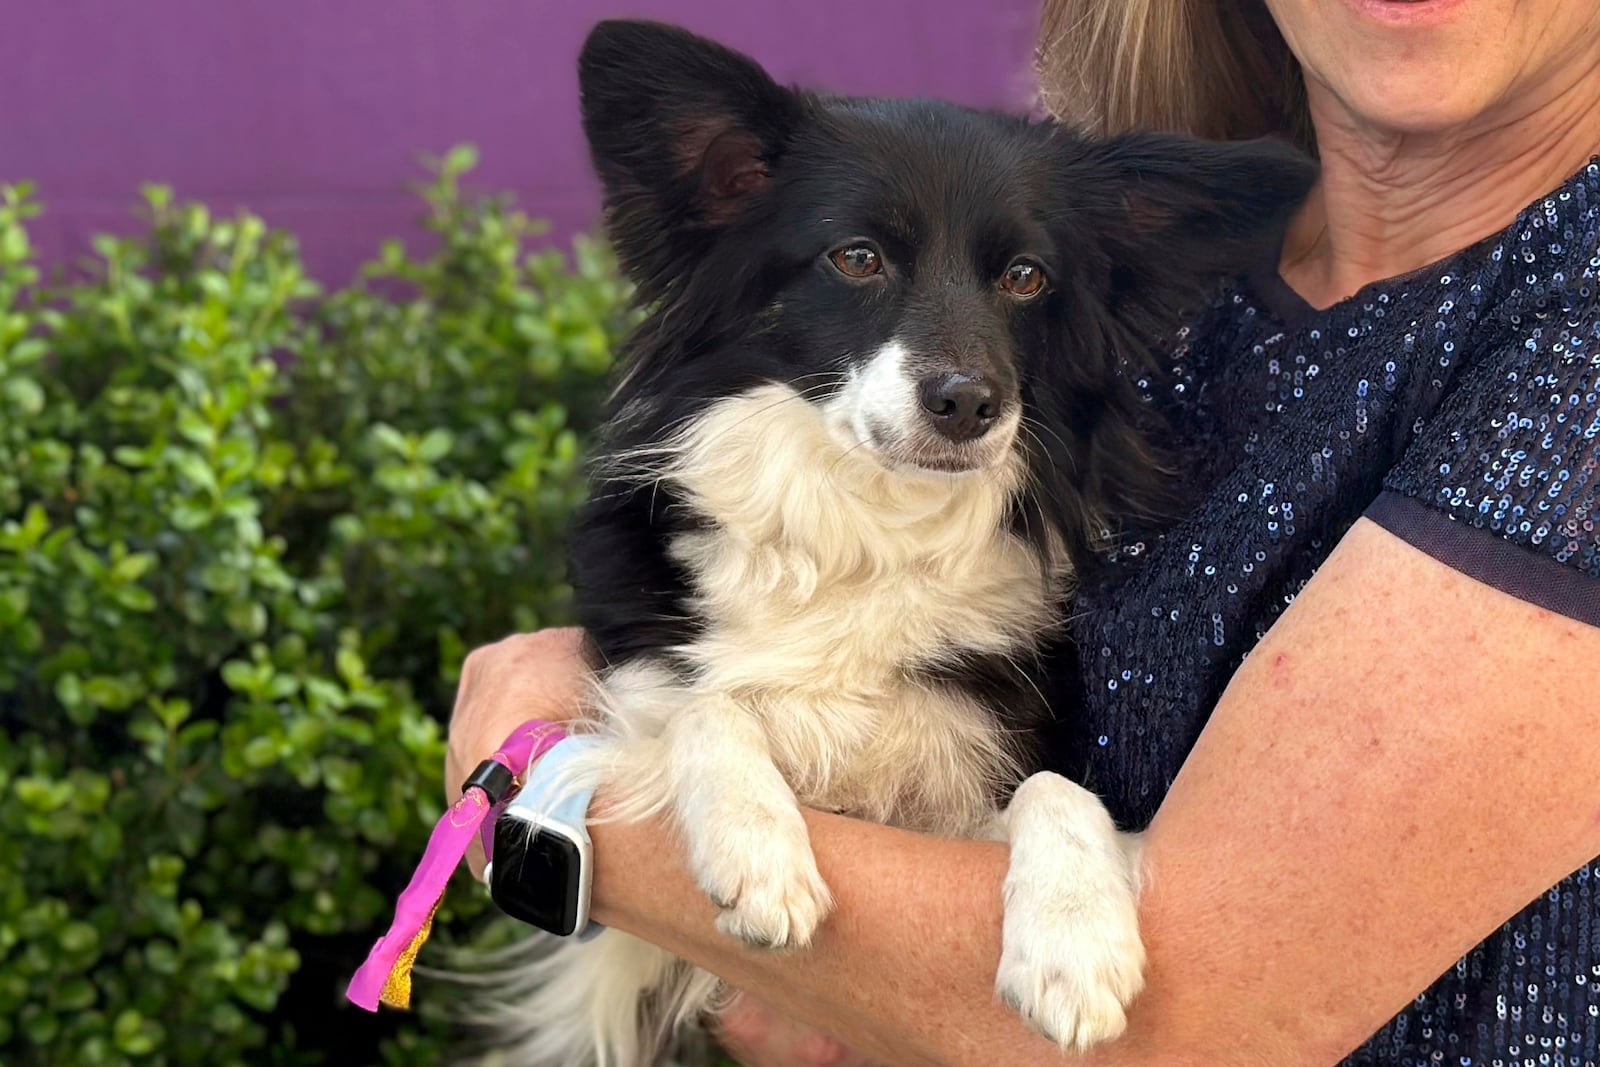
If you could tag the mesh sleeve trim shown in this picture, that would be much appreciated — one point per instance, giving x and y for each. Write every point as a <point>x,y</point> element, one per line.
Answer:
<point>1485,556</point>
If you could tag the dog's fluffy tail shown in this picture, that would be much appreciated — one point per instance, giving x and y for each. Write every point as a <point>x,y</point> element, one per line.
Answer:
<point>614,1001</point>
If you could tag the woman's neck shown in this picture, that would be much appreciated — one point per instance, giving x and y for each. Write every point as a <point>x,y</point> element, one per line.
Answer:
<point>1387,204</point>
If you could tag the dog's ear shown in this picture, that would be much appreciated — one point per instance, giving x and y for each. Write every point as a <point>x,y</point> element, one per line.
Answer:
<point>1179,214</point>
<point>1170,218</point>
<point>684,134</point>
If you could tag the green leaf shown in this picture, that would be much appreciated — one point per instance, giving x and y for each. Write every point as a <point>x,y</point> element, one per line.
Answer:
<point>14,243</point>
<point>260,752</point>
<point>172,713</point>
<point>350,665</point>
<point>13,607</point>
<point>240,676</point>
<point>41,1027</point>
<point>157,197</point>
<point>459,160</point>
<point>196,732</point>
<point>196,429</point>
<point>195,470</point>
<point>161,958</point>
<point>35,524</point>
<point>25,396</point>
<point>78,938</point>
<point>134,1034</point>
<point>249,619</point>
<point>390,439</point>
<point>187,516</point>
<point>129,456</point>
<point>164,871</point>
<point>28,352</point>
<point>76,994</point>
<point>132,567</point>
<point>135,598</point>
<point>435,445</point>
<point>113,694</point>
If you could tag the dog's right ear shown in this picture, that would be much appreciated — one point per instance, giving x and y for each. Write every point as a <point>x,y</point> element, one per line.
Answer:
<point>1178,214</point>
<point>684,134</point>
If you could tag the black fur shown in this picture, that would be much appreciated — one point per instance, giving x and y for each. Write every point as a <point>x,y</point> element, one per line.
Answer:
<point>724,194</point>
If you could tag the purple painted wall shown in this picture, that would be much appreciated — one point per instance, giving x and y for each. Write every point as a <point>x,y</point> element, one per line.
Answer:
<point>314,113</point>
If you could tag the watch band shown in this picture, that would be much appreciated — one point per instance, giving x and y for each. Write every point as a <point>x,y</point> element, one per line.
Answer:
<point>545,791</point>
<point>548,795</point>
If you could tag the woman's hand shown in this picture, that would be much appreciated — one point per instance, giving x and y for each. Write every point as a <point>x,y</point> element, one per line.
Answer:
<point>503,685</point>
<point>541,676</point>
<point>755,1034</point>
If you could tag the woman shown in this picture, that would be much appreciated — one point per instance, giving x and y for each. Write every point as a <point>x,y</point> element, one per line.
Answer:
<point>1407,406</point>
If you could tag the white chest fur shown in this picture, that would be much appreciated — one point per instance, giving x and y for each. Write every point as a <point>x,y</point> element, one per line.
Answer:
<point>826,581</point>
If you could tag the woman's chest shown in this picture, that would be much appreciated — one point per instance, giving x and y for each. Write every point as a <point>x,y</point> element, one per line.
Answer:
<point>1286,437</point>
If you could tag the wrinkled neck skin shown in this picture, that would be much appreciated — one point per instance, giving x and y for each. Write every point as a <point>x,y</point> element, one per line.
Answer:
<point>1388,203</point>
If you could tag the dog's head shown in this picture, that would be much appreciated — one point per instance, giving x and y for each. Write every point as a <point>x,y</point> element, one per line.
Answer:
<point>949,287</point>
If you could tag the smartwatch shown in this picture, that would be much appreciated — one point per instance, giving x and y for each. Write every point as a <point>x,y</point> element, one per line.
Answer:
<point>542,863</point>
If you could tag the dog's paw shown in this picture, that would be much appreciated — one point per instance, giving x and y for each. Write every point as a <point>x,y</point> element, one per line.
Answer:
<point>1071,978</point>
<point>1072,959</point>
<point>756,865</point>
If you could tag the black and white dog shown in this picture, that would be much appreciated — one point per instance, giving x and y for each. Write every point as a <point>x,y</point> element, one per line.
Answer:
<point>878,411</point>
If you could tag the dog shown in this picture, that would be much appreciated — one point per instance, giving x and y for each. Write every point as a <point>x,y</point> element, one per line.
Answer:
<point>880,412</point>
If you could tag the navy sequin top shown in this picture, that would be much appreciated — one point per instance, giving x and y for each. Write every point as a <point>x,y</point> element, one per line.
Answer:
<point>1459,407</point>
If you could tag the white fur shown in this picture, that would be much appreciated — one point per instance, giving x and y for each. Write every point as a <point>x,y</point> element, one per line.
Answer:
<point>880,398</point>
<point>1071,956</point>
<point>825,581</point>
<point>613,1001</point>
<point>877,409</point>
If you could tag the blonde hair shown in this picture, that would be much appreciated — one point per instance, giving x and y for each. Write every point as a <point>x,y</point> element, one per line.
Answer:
<point>1209,68</point>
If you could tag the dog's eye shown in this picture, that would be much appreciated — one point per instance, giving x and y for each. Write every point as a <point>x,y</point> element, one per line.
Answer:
<point>858,261</point>
<point>1023,279</point>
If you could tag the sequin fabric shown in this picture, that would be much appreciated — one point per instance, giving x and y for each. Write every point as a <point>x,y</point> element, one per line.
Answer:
<point>1472,386</point>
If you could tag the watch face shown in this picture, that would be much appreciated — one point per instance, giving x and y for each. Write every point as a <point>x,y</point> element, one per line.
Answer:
<point>535,876</point>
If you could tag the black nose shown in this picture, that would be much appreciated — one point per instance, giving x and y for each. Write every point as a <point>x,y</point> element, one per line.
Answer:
<point>961,407</point>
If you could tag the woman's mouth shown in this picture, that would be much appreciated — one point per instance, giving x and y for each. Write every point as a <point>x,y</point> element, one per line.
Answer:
<point>1407,12</point>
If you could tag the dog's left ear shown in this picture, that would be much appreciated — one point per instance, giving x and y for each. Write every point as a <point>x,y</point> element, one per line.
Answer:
<point>1172,217</point>
<point>684,133</point>
<point>1180,214</point>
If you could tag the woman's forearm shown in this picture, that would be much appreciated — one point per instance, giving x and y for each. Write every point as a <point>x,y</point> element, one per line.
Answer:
<point>904,967</point>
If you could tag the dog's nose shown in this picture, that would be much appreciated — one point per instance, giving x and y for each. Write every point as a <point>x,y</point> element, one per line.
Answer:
<point>961,407</point>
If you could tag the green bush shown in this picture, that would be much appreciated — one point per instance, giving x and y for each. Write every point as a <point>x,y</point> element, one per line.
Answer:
<point>247,530</point>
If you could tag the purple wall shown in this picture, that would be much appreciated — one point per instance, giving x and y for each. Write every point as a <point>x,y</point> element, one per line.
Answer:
<point>314,113</point>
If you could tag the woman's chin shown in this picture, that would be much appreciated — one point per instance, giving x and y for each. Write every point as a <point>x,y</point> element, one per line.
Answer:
<point>1420,100</point>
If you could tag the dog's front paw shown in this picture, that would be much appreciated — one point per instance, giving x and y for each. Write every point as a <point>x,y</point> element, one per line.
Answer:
<point>1071,977</point>
<point>756,865</point>
<point>1072,960</point>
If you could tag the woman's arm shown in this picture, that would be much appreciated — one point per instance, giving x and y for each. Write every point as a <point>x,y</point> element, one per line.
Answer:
<point>1404,762</point>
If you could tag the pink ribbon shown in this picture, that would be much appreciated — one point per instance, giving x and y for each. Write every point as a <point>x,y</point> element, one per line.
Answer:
<point>385,977</point>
